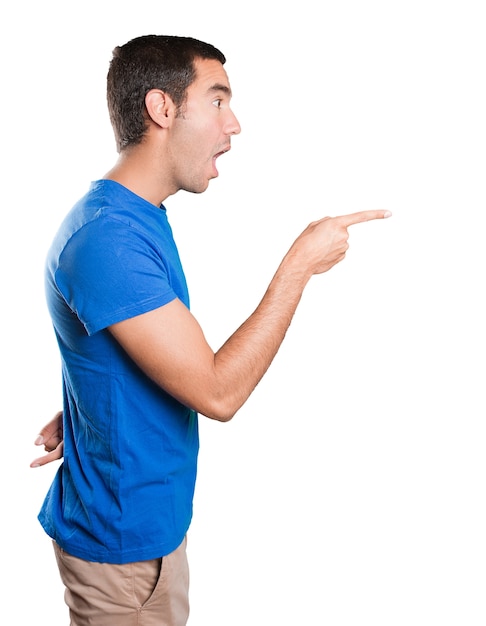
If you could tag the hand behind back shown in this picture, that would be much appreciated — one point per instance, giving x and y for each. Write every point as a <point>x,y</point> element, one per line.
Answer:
<point>51,437</point>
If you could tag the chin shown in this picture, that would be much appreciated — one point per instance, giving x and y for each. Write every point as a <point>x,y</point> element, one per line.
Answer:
<point>199,185</point>
<point>199,189</point>
<point>204,185</point>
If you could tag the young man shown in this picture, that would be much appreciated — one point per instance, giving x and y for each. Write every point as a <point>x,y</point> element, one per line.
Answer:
<point>136,367</point>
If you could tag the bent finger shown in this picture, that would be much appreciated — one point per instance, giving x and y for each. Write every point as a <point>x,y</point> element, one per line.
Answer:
<point>51,432</point>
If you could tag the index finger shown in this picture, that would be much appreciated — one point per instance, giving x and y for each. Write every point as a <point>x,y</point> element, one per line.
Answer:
<point>54,455</point>
<point>363,216</point>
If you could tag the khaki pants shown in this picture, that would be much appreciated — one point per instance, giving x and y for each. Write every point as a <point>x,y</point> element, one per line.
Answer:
<point>146,593</point>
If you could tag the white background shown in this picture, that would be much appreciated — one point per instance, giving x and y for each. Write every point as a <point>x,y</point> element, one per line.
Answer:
<point>350,489</point>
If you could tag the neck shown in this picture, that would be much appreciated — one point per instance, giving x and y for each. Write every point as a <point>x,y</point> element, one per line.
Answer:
<point>135,171</point>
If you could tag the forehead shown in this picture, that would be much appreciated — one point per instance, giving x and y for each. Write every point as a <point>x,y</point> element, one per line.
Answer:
<point>210,77</point>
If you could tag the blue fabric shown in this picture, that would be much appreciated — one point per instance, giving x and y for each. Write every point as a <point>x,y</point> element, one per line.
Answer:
<point>125,488</point>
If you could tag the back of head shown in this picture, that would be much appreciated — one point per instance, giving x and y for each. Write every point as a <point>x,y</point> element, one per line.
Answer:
<point>163,62</point>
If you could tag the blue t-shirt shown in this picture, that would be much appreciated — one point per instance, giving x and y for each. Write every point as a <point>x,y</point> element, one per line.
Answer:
<point>125,489</point>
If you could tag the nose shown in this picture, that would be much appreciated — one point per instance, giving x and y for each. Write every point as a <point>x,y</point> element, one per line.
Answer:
<point>233,126</point>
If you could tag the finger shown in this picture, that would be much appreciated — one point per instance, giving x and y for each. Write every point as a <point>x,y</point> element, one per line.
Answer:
<point>363,216</point>
<point>52,444</point>
<point>49,442</point>
<point>48,458</point>
<point>52,430</point>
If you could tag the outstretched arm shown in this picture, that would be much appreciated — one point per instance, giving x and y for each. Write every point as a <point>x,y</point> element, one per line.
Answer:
<point>169,345</point>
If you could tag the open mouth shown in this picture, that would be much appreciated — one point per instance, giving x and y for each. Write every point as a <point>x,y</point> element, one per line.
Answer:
<point>217,155</point>
<point>227,149</point>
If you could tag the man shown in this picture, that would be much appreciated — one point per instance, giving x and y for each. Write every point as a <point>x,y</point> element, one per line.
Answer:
<point>137,369</point>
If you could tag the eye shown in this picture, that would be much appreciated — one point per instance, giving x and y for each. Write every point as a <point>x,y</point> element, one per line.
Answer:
<point>217,103</point>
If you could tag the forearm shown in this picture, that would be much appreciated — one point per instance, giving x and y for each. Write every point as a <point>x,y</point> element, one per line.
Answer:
<point>244,358</point>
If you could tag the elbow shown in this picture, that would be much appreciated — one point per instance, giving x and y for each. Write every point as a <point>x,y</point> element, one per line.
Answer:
<point>214,400</point>
<point>222,410</point>
<point>221,417</point>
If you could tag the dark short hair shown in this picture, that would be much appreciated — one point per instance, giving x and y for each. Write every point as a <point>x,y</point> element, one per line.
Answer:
<point>163,62</point>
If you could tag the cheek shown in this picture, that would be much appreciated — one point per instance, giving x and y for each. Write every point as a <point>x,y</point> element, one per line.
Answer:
<point>196,145</point>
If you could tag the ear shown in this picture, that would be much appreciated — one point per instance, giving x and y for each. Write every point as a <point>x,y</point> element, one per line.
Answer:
<point>160,107</point>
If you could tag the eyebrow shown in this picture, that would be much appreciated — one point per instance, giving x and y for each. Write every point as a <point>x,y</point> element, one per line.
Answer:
<point>220,87</point>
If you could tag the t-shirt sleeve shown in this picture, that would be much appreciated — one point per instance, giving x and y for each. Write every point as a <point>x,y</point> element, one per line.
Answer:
<point>110,271</point>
